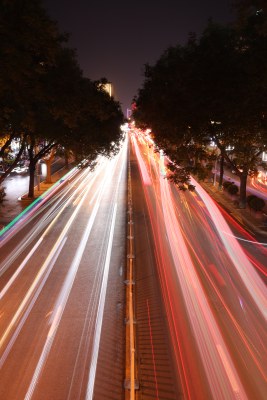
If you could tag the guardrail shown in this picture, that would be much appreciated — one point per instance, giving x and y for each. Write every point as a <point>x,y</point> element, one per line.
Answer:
<point>131,383</point>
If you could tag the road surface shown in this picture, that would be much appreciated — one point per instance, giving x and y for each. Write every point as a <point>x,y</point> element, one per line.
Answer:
<point>200,296</point>
<point>213,291</point>
<point>62,291</point>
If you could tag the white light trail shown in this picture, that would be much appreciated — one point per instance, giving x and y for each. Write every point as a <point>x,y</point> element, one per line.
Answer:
<point>30,306</point>
<point>20,268</point>
<point>63,298</point>
<point>42,270</point>
<point>35,247</point>
<point>100,312</point>
<point>68,283</point>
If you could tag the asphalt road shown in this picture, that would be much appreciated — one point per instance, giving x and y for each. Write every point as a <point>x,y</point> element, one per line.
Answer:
<point>214,297</point>
<point>62,292</point>
<point>200,298</point>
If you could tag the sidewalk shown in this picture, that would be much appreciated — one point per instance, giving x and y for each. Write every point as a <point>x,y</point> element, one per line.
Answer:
<point>44,186</point>
<point>10,210</point>
<point>246,218</point>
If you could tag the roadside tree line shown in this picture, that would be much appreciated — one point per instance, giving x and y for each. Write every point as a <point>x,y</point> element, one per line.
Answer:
<point>212,89</point>
<point>46,103</point>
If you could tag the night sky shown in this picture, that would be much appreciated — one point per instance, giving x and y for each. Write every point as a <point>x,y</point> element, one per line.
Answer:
<point>114,39</point>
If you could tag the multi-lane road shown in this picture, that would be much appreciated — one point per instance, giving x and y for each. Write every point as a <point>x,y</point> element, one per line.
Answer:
<point>200,294</point>
<point>212,287</point>
<point>62,291</point>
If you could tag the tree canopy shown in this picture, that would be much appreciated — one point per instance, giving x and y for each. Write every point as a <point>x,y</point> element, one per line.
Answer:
<point>212,88</point>
<point>45,101</point>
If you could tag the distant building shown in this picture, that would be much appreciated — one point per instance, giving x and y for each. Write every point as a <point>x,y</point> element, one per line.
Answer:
<point>108,88</point>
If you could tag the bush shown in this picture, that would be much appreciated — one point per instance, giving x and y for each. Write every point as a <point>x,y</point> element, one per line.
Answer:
<point>232,189</point>
<point>250,198</point>
<point>257,204</point>
<point>226,184</point>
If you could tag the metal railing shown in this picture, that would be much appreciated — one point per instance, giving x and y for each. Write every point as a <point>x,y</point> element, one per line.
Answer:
<point>131,382</point>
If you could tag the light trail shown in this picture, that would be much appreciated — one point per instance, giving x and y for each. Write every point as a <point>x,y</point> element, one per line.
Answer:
<point>102,297</point>
<point>20,268</point>
<point>35,247</point>
<point>67,286</point>
<point>100,312</point>
<point>202,320</point>
<point>142,166</point>
<point>42,270</point>
<point>245,269</point>
<point>218,285</point>
<point>250,348</point>
<point>31,304</point>
<point>63,297</point>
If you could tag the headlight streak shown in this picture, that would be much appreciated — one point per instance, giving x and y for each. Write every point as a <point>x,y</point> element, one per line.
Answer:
<point>61,302</point>
<point>22,265</point>
<point>42,270</point>
<point>30,306</point>
<point>19,269</point>
<point>38,277</point>
<point>67,286</point>
<point>246,271</point>
<point>102,297</point>
<point>34,231</point>
<point>31,212</point>
<point>93,304</point>
<point>100,312</point>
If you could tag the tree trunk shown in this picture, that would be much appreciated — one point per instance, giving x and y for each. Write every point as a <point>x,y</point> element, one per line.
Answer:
<point>243,189</point>
<point>31,180</point>
<point>221,171</point>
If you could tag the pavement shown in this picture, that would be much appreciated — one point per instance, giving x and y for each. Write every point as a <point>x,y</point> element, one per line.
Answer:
<point>255,224</point>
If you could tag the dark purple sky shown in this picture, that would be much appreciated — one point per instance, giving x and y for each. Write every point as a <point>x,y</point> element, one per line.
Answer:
<point>115,38</point>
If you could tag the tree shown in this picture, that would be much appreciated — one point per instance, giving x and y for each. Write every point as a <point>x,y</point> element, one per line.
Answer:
<point>241,135</point>
<point>45,101</point>
<point>165,105</point>
<point>29,42</point>
<point>213,88</point>
<point>251,13</point>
